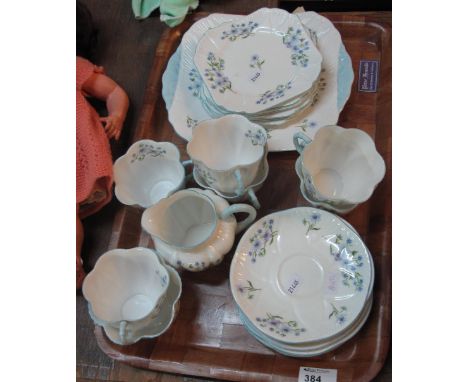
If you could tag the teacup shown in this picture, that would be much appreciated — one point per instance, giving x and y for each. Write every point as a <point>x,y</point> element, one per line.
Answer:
<point>227,152</point>
<point>160,324</point>
<point>194,229</point>
<point>148,172</point>
<point>125,289</point>
<point>249,193</point>
<point>341,167</point>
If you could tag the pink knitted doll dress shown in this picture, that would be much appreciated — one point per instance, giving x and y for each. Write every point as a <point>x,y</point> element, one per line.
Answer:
<point>93,157</point>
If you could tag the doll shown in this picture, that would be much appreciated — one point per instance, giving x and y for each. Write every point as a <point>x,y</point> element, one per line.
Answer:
<point>94,176</point>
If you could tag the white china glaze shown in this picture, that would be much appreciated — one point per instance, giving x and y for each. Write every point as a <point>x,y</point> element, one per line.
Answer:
<point>301,275</point>
<point>196,234</point>
<point>148,172</point>
<point>227,152</point>
<point>126,288</point>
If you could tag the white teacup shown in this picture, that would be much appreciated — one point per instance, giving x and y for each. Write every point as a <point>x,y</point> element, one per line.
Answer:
<point>341,167</point>
<point>125,289</point>
<point>227,152</point>
<point>148,172</point>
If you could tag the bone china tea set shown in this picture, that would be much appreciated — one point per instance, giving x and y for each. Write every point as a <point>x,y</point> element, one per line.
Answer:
<point>237,88</point>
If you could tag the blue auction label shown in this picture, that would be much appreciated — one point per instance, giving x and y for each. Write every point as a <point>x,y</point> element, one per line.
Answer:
<point>368,76</point>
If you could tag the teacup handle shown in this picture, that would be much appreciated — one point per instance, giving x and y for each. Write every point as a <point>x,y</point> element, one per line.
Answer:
<point>240,183</point>
<point>123,331</point>
<point>253,198</point>
<point>301,141</point>
<point>187,163</point>
<point>236,208</point>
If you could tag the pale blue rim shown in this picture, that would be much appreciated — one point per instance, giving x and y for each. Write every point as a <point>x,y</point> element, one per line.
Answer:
<point>345,78</point>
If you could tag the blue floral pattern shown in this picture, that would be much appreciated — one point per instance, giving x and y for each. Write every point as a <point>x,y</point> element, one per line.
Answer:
<point>279,325</point>
<point>163,278</point>
<point>196,82</point>
<point>258,138</point>
<point>241,30</point>
<point>250,289</point>
<point>205,175</point>
<point>271,95</point>
<point>311,222</point>
<point>215,74</point>
<point>146,149</point>
<point>256,61</point>
<point>350,260</point>
<point>262,237</point>
<point>294,40</point>
<point>307,124</point>
<point>196,266</point>
<point>191,123</point>
<point>339,314</point>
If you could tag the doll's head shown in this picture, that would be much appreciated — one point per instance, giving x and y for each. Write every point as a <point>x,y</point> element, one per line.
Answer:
<point>86,33</point>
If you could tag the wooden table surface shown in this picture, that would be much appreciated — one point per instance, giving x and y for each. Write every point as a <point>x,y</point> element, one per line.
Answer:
<point>125,48</point>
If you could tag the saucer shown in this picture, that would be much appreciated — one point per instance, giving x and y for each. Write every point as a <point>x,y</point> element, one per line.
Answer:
<point>163,320</point>
<point>301,275</point>
<point>309,350</point>
<point>249,193</point>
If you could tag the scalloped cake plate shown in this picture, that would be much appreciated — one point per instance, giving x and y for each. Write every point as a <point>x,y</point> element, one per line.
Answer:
<point>263,60</point>
<point>182,86</point>
<point>301,275</point>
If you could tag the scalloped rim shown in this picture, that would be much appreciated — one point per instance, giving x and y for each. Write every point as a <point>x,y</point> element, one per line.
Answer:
<point>122,252</point>
<point>298,167</point>
<point>309,353</point>
<point>210,258</point>
<point>372,155</point>
<point>238,253</point>
<point>268,14</point>
<point>125,197</point>
<point>174,310</point>
<point>279,140</point>
<point>148,213</point>
<point>216,121</point>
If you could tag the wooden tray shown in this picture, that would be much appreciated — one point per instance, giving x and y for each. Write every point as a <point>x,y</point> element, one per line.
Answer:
<point>207,338</point>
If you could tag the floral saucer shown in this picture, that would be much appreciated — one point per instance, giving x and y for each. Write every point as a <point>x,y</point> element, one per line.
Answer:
<point>312,349</point>
<point>182,85</point>
<point>301,275</point>
<point>164,318</point>
<point>259,62</point>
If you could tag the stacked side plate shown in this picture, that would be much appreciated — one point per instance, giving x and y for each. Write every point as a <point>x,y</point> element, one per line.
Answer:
<point>264,66</point>
<point>302,279</point>
<point>190,98</point>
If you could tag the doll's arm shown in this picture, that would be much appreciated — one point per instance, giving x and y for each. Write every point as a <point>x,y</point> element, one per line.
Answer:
<point>104,88</point>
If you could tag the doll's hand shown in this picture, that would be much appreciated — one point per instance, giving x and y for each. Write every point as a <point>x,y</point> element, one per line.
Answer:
<point>112,126</point>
